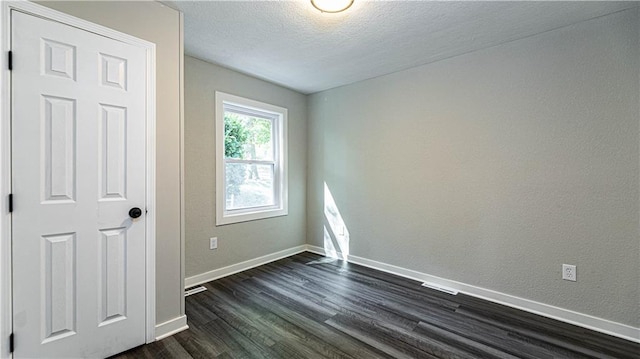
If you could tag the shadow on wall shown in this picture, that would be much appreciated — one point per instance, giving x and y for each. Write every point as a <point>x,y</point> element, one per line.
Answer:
<point>336,234</point>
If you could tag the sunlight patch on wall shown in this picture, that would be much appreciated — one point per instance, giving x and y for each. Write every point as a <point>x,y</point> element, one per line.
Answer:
<point>336,234</point>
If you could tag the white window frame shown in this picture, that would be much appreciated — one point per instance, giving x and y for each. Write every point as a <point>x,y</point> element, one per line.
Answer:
<point>279,139</point>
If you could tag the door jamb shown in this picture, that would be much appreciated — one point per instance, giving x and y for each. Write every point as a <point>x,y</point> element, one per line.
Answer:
<point>5,159</point>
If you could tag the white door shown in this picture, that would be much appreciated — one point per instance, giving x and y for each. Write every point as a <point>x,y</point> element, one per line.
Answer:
<point>78,158</point>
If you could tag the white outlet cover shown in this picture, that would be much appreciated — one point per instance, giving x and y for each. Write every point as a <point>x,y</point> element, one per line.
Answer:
<point>569,272</point>
<point>213,243</point>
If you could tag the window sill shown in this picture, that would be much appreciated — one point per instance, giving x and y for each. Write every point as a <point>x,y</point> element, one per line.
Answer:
<point>231,218</point>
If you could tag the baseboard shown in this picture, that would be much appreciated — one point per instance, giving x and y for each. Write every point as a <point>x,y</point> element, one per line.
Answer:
<point>171,327</point>
<point>242,266</point>
<point>583,320</point>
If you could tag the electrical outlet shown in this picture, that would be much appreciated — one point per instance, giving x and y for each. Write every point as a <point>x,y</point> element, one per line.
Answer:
<point>213,243</point>
<point>569,272</point>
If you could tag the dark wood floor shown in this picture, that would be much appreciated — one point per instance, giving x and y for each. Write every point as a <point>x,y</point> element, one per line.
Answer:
<point>308,306</point>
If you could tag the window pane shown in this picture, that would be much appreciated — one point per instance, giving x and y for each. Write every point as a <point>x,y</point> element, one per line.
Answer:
<point>247,138</point>
<point>249,186</point>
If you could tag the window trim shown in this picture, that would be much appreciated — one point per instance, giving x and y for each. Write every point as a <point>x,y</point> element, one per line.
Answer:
<point>279,116</point>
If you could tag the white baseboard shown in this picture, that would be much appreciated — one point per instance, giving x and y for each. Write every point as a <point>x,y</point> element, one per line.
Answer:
<point>242,266</point>
<point>583,320</point>
<point>318,250</point>
<point>171,327</point>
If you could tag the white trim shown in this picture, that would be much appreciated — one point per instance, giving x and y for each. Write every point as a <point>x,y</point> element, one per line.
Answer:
<point>440,288</point>
<point>171,327</point>
<point>242,266</point>
<point>5,185</point>
<point>5,156</point>
<point>151,194</point>
<point>321,251</point>
<point>182,169</point>
<point>565,315</point>
<point>280,140</point>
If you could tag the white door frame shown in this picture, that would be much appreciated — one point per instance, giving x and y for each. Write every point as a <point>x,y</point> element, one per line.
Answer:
<point>5,158</point>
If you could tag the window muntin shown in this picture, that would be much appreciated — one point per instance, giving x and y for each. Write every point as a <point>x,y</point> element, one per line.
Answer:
<point>251,160</point>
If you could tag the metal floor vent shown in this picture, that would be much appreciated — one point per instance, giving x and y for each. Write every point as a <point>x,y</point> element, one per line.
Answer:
<point>440,288</point>
<point>194,290</point>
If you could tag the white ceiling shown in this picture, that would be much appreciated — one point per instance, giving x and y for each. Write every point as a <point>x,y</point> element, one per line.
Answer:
<point>292,44</point>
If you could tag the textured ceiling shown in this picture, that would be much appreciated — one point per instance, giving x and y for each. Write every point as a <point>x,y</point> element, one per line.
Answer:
<point>292,44</point>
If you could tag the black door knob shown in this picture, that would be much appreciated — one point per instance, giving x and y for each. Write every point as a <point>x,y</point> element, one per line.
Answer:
<point>135,212</point>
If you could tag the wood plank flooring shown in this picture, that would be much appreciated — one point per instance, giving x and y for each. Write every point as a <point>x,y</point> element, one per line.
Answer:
<point>308,306</point>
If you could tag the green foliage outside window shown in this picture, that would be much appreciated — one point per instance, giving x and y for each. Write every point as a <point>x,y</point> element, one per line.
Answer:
<point>235,137</point>
<point>243,136</point>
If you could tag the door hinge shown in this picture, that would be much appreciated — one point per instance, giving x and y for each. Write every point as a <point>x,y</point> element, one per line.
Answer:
<point>11,343</point>
<point>10,61</point>
<point>10,202</point>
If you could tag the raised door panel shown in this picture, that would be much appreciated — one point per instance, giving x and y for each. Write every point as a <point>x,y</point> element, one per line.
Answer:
<point>59,59</point>
<point>112,276</point>
<point>59,149</point>
<point>58,265</point>
<point>113,152</point>
<point>113,71</point>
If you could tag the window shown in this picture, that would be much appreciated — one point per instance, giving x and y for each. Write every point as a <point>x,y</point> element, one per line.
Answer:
<point>251,160</point>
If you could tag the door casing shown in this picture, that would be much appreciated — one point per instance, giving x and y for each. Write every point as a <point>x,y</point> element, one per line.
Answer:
<point>5,158</point>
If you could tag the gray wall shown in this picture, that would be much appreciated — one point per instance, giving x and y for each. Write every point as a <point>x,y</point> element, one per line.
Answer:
<point>495,167</point>
<point>491,168</point>
<point>241,241</point>
<point>159,24</point>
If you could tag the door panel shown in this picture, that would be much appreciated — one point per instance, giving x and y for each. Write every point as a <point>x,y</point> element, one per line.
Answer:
<point>58,265</point>
<point>59,122</point>
<point>113,274</point>
<point>78,166</point>
<point>113,152</point>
